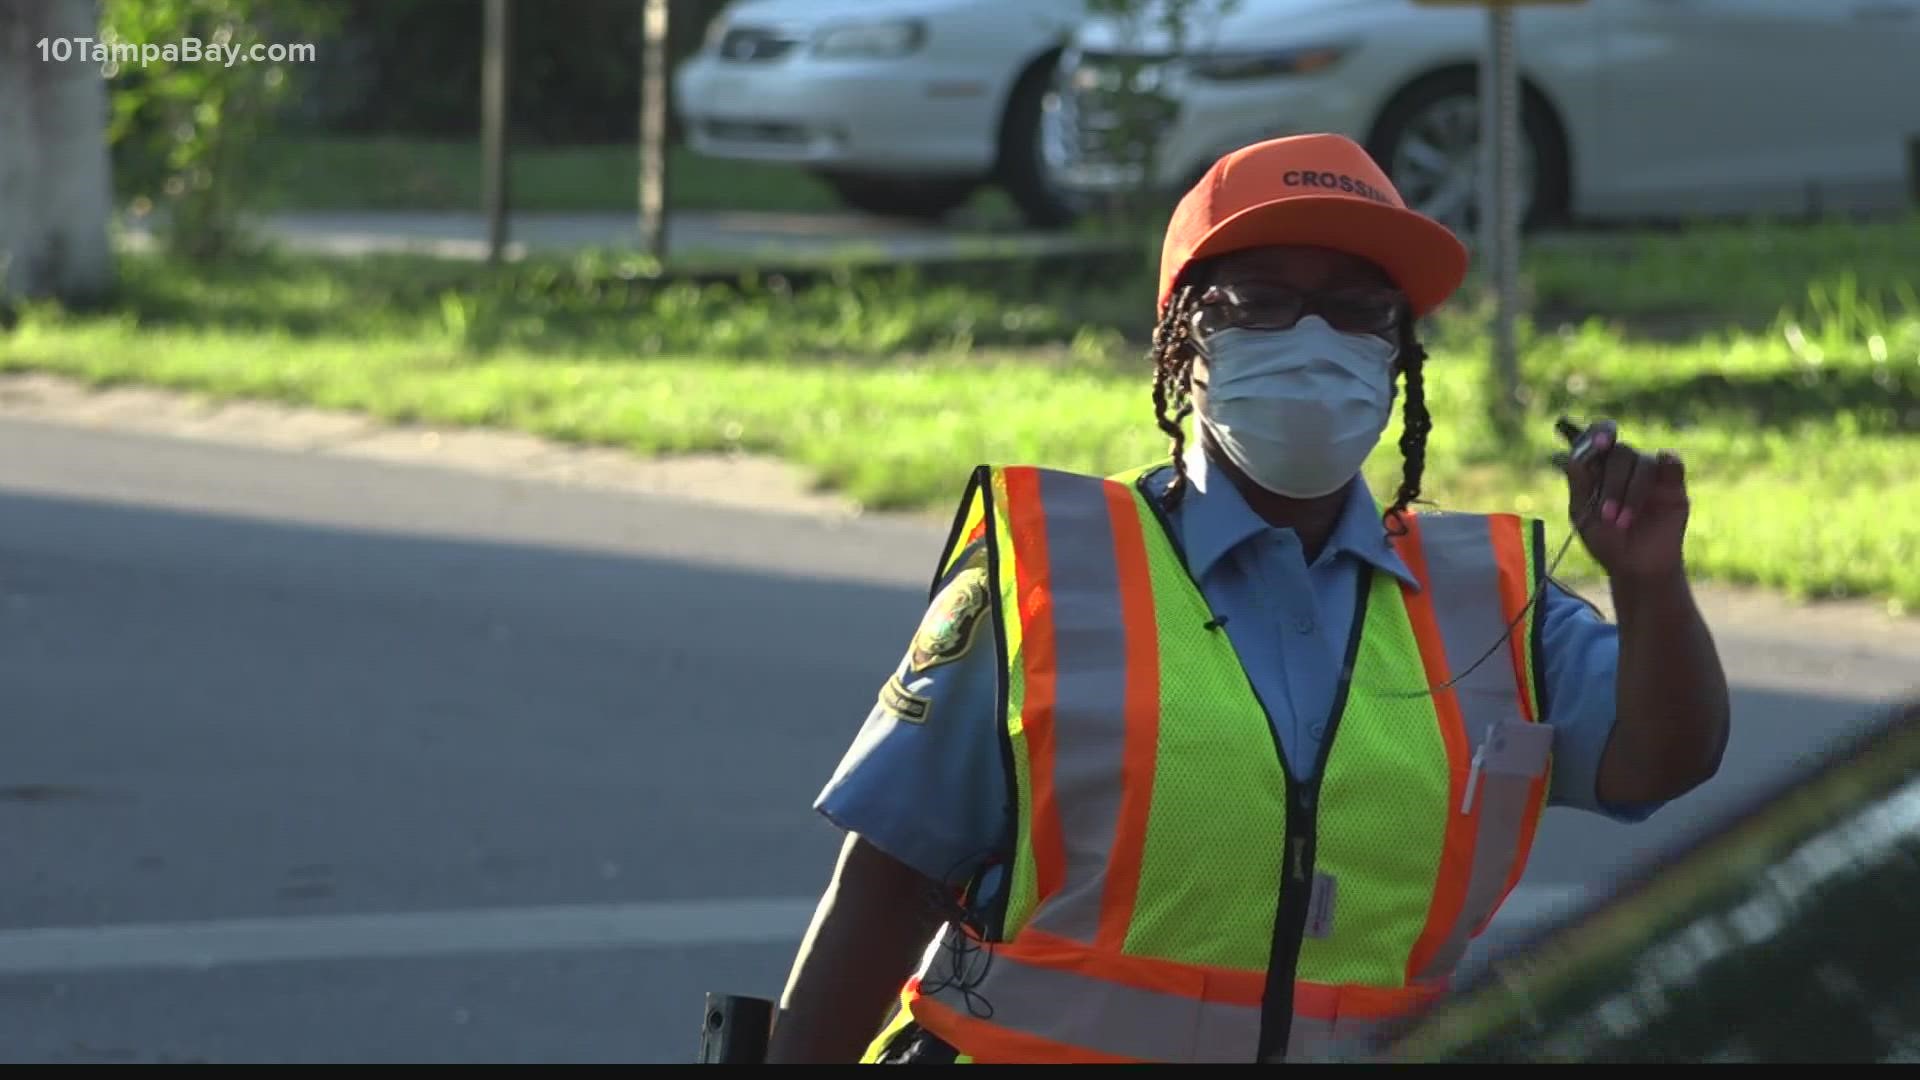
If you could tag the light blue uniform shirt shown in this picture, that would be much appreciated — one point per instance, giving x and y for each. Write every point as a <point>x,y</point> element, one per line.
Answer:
<point>933,793</point>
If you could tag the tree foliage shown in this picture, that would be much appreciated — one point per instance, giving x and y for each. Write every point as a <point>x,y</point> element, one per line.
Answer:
<point>1155,35</point>
<point>180,126</point>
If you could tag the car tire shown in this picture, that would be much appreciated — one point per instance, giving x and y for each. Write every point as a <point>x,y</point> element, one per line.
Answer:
<point>901,197</point>
<point>1022,171</point>
<point>1428,102</point>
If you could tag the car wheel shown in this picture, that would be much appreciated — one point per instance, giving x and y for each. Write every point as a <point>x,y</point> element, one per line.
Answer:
<point>1428,142</point>
<point>902,197</point>
<point>1030,150</point>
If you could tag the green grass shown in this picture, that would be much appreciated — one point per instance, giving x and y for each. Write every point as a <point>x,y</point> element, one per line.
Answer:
<point>372,173</point>
<point>1799,416</point>
<point>395,173</point>
<point>1684,282</point>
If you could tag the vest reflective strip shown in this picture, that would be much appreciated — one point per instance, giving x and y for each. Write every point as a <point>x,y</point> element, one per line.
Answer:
<point>1450,891</point>
<point>1097,626</point>
<point>1142,717</point>
<point>1506,535</point>
<point>1520,573</point>
<point>1334,1023</point>
<point>1027,528</point>
<point>1140,1009</point>
<point>1076,1012</point>
<point>1467,566</point>
<point>1470,576</point>
<point>993,1043</point>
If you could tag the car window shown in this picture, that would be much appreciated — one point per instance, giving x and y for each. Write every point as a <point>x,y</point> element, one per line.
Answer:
<point>1789,933</point>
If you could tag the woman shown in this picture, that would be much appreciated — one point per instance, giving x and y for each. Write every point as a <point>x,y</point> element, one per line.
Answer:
<point>1222,760</point>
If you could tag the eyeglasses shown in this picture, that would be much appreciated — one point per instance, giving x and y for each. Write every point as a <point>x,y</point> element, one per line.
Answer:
<point>1360,309</point>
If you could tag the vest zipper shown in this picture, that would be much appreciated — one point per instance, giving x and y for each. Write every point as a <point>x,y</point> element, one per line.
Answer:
<point>1297,862</point>
<point>1296,885</point>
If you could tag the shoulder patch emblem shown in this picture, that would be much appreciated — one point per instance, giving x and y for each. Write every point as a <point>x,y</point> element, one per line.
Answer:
<point>952,621</point>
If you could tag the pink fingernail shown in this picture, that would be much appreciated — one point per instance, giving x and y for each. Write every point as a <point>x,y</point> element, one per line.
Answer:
<point>1608,510</point>
<point>1625,517</point>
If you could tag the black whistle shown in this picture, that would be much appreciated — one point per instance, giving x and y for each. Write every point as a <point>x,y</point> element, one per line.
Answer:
<point>735,1029</point>
<point>1581,446</point>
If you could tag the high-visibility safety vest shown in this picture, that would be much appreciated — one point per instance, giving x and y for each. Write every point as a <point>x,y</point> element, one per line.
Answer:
<point>1174,894</point>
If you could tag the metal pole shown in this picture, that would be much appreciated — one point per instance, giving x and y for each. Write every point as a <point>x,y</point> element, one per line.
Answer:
<point>656,84</point>
<point>1502,225</point>
<point>493,126</point>
<point>1488,191</point>
<point>1913,169</point>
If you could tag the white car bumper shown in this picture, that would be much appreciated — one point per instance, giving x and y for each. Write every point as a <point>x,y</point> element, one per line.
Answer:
<point>888,116</point>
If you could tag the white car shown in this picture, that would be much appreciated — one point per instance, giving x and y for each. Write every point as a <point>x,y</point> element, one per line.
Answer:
<point>1632,109</point>
<point>905,107</point>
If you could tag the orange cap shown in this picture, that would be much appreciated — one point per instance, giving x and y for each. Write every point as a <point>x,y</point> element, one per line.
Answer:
<point>1318,190</point>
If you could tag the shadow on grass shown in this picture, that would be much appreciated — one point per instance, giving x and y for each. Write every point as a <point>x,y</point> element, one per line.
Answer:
<point>600,304</point>
<point>1884,400</point>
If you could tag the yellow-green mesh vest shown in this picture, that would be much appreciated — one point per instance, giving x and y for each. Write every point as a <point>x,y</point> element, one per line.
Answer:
<point>1172,893</point>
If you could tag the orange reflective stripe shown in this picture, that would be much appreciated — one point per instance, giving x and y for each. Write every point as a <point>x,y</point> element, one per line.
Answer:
<point>987,1043</point>
<point>1071,996</point>
<point>1142,719</point>
<point>1510,553</point>
<point>1027,524</point>
<point>1049,999</point>
<point>1456,860</point>
<point>1231,986</point>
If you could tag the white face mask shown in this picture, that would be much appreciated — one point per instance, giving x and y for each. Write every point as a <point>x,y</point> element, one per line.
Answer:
<point>1298,410</point>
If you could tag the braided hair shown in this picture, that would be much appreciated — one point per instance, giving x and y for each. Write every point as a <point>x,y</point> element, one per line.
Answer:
<point>1173,352</point>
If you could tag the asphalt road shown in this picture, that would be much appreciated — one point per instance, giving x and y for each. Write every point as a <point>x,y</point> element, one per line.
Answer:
<point>306,759</point>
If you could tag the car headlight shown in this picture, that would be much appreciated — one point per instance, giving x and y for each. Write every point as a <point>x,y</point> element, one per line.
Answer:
<point>892,37</point>
<point>1264,63</point>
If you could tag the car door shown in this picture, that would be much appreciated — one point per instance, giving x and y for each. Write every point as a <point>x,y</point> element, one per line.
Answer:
<point>1752,105</point>
<point>1877,113</point>
<point>1782,931</point>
